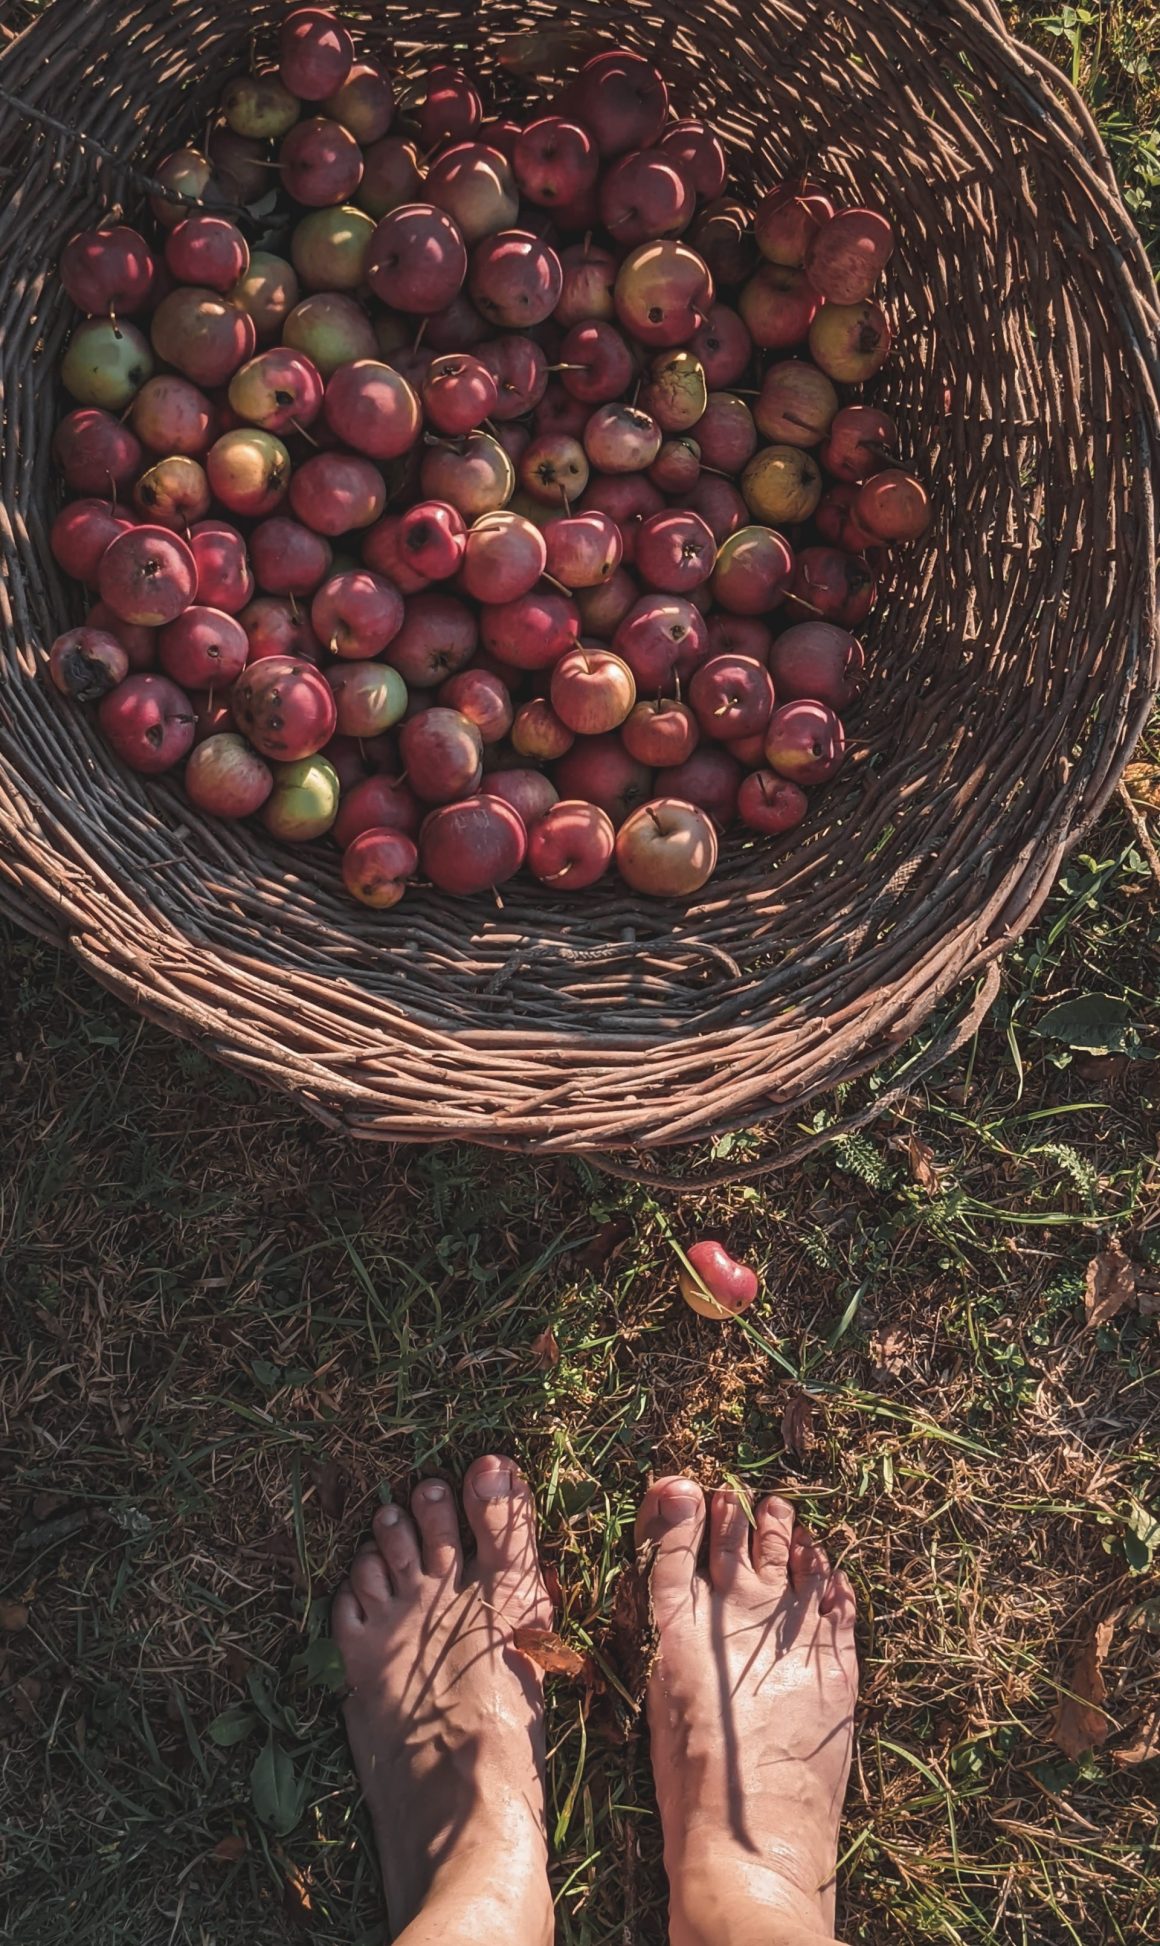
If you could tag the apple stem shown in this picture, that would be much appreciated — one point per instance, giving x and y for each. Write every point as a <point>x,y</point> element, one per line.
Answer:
<point>655,819</point>
<point>792,419</point>
<point>495,895</point>
<point>567,368</point>
<point>555,583</point>
<point>307,436</point>
<point>334,643</point>
<point>419,334</point>
<point>562,873</point>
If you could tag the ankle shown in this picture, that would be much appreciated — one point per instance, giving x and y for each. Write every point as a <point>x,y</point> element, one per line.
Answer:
<point>722,1895</point>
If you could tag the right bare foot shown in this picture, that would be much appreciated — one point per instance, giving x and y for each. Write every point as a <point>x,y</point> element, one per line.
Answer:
<point>445,1718</point>
<point>751,1709</point>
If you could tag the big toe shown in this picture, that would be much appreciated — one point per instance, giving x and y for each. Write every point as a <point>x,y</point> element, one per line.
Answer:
<point>671,1521</point>
<point>502,1515</point>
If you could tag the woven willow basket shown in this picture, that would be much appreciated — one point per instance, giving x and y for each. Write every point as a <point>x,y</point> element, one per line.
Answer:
<point>1014,658</point>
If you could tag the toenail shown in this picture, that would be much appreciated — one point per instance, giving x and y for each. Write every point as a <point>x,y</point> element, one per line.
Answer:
<point>387,1516</point>
<point>678,1501</point>
<point>495,1484</point>
<point>431,1490</point>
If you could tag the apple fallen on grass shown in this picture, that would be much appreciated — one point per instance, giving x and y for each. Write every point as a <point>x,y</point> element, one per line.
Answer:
<point>714,1284</point>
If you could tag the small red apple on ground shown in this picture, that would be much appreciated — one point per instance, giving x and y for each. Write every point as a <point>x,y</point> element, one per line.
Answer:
<point>714,1284</point>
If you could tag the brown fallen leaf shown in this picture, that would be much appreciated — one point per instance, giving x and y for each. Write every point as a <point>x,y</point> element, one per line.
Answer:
<point>1109,1284</point>
<point>1148,1297</point>
<point>1145,1745</point>
<point>13,1616</point>
<point>330,1484</point>
<point>1143,784</point>
<point>1080,1723</point>
<point>228,1850</point>
<point>797,1425</point>
<point>551,1653</point>
<point>892,1350</point>
<point>544,1348</point>
<point>923,1168</point>
<point>609,1238</point>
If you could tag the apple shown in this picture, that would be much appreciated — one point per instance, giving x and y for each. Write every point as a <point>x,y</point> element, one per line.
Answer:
<point>147,576</point>
<point>850,341</point>
<point>83,531</point>
<point>660,733</point>
<point>600,770</point>
<point>139,644</point>
<point>539,732</point>
<point>675,552</point>
<point>701,154</point>
<point>187,173</point>
<point>645,195</point>
<point>796,405</point>
<point>710,779</point>
<point>249,471</point>
<point>583,549</point>
<point>553,469</point>
<point>473,846</point>
<point>532,632</point>
<point>515,279</point>
<point>418,259</point>
<point>596,362</point>
<point>108,271</point>
<point>722,233</point>
<point>782,484</point>
<point>289,558</point>
<point>376,867</point>
<point>483,698</point>
<point>753,569</point>
<point>832,584</point>
<point>620,438</point>
<point>714,1284</point>
<point>559,412</point>
<point>520,371</point>
<point>239,165</point>
<point>382,550</point>
<point>204,335</point>
<point>260,106</point>
<point>847,255</point>
<point>331,248</point>
<point>666,849</point>
<point>787,219</point>
<point>862,440</point>
<point>662,637</point>
<point>450,109</point>
<point>475,185</point>
<point>225,777</point>
<point>273,627</point>
<point>106,364</point>
<point>203,649</point>
<point>722,346</point>
<point>732,697</point>
<point>675,392</point>
<point>284,707</point>
<point>96,453</point>
<point>331,329</point>
<point>677,467</point>
<point>437,639</point>
<point>725,432</point>
<point>373,409</point>
<point>85,663</point>
<point>441,752</point>
<point>432,537</point>
<point>207,250</point>
<point>662,293</point>
<point>458,393</point>
<point>320,163</point>
<point>171,416</point>
<point>357,614</point>
<point>304,801</point>
<point>172,493</point>
<point>149,722</point>
<point>392,176</point>
<point>589,277</point>
<point>892,506</point>
<point>376,803</point>
<point>719,505</point>
<point>474,475</point>
<point>592,691</point>
<point>604,607</point>
<point>315,53</point>
<point>554,162</point>
<point>504,556</point>
<point>805,742</point>
<point>527,791</point>
<point>268,292</point>
<point>333,493</point>
<point>571,846</point>
<point>369,697</point>
<point>364,102</point>
<point>769,803</point>
<point>835,521</point>
<point>778,306</point>
<point>621,99</point>
<point>731,634</point>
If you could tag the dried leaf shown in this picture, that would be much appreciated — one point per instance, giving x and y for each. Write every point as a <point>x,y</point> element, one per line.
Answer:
<point>609,1238</point>
<point>550,1652</point>
<point>920,1156</point>
<point>1143,782</point>
<point>1145,1745</point>
<point>797,1425</point>
<point>1110,1283</point>
<point>1080,1723</point>
<point>1148,1297</point>
<point>544,1348</point>
<point>296,1901</point>
<point>331,1486</point>
<point>13,1616</point>
<point>228,1850</point>
<point>891,1350</point>
<point>634,1636</point>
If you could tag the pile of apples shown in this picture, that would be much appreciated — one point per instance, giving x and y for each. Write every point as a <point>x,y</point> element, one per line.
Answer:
<point>441,481</point>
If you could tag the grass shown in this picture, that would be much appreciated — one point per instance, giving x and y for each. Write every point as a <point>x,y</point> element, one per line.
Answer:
<point>226,1335</point>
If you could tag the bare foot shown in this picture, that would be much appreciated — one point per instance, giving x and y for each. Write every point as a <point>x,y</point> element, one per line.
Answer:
<point>445,1718</point>
<point>751,1709</point>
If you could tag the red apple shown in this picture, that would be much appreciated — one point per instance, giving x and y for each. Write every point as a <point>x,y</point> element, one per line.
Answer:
<point>82,533</point>
<point>475,185</point>
<point>532,632</point>
<point>596,362</point>
<point>503,558</point>
<point>589,277</point>
<point>620,438</point>
<point>722,233</point>
<point>739,635</point>
<point>603,608</point>
<point>677,467</point>
<point>374,804</point>
<point>724,347</point>
<point>204,335</point>
<point>320,163</point>
<point>847,255</point>
<point>769,803</point>
<point>441,752</point>
<point>818,662</point>
<point>418,259</point>
<point>474,474</point>
<point>450,109</point>
<point>520,371</point>
<point>108,271</point>
<point>96,453</point>
<point>661,733</point>
<point>458,393</point>
<point>483,698</point>
<point>149,722</point>
<point>139,644</point>
<point>391,176</point>
<point>621,99</point>
<point>376,867</point>
<point>333,493</point>
<point>583,549</point>
<point>753,569</point>
<point>148,576</point>
<point>527,791</point>
<point>601,771</point>
<point>725,432</point>
<point>715,1285</point>
<point>288,558</point>
<point>663,291</point>
<point>893,506</point>
<point>646,194</point>
<point>711,779</point>
<point>315,53</point>
<point>284,707</point>
<point>357,614</point>
<point>805,742</point>
<point>553,469</point>
<point>279,390</point>
<point>554,161</point>
<point>228,779</point>
<point>538,732</point>
<point>829,583</point>
<point>572,846</point>
<point>85,663</point>
<point>661,638</point>
<point>675,552</point>
<point>203,649</point>
<point>720,506</point>
<point>732,697</point>
<point>207,250</point>
<point>472,846</point>
<point>173,493</point>
<point>862,441</point>
<point>796,405</point>
<point>274,627</point>
<point>372,408</point>
<point>515,279</point>
<point>437,639</point>
<point>432,537</point>
<point>223,571</point>
<point>777,306</point>
<point>666,849</point>
<point>592,691</point>
<point>701,154</point>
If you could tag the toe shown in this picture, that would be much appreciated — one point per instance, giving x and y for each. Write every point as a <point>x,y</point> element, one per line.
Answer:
<point>809,1568</point>
<point>369,1580</point>
<point>433,1508</point>
<point>347,1619</point>
<point>838,1601</point>
<point>729,1528</point>
<point>672,1518</point>
<point>772,1536</point>
<point>398,1546</point>
<point>502,1516</point>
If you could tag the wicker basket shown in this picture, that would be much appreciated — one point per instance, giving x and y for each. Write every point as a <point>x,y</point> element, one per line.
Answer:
<point>1014,658</point>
